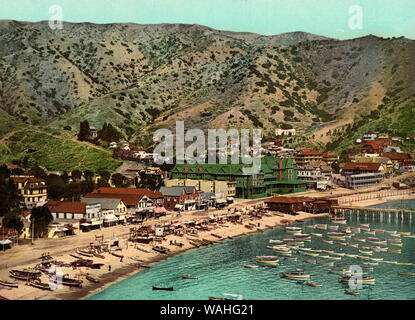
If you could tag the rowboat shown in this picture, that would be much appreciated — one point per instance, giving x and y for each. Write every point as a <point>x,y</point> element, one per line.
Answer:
<point>365,280</point>
<point>161,249</point>
<point>312,284</point>
<point>324,257</point>
<point>342,243</point>
<point>376,259</point>
<point>92,279</point>
<point>351,256</point>
<point>340,254</point>
<point>310,261</point>
<point>328,251</point>
<point>360,239</point>
<point>281,248</point>
<point>266,257</point>
<point>189,277</point>
<point>366,252</point>
<point>353,293</point>
<point>321,226</point>
<point>363,258</point>
<point>406,273</point>
<point>142,249</point>
<point>275,241</point>
<point>283,253</point>
<point>404,263</point>
<point>396,244</point>
<point>163,288</point>
<point>379,242</point>
<point>291,258</point>
<point>394,240</point>
<point>312,254</point>
<point>380,249</point>
<point>268,262</point>
<point>117,255</point>
<point>66,281</point>
<point>340,221</point>
<point>99,256</point>
<point>301,235</point>
<point>333,227</point>
<point>24,275</point>
<point>340,265</point>
<point>9,284</point>
<point>370,232</point>
<point>84,253</point>
<point>249,266</point>
<point>409,236</point>
<point>353,245</point>
<point>373,238</point>
<point>296,275</point>
<point>335,258</point>
<point>337,237</point>
<point>328,263</point>
<point>216,235</point>
<point>394,251</point>
<point>364,225</point>
<point>292,229</point>
<point>405,233</point>
<point>40,285</point>
<point>328,241</point>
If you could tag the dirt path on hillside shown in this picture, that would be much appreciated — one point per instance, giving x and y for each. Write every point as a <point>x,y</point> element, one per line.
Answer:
<point>91,145</point>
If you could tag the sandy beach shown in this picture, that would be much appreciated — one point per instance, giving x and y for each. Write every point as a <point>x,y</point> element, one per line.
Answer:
<point>27,256</point>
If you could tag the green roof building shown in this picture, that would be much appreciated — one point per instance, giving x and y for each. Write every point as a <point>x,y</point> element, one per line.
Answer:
<point>276,176</point>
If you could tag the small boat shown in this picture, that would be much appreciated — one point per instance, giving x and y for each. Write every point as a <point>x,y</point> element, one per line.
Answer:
<point>366,252</point>
<point>24,275</point>
<point>406,273</point>
<point>363,258</point>
<point>335,258</point>
<point>360,239</point>
<point>275,241</point>
<point>341,265</point>
<point>364,225</point>
<point>353,256</point>
<point>84,253</point>
<point>268,262</point>
<point>292,229</point>
<point>394,232</point>
<point>353,293</point>
<point>389,262</point>
<point>163,288</point>
<point>353,245</point>
<point>405,233</point>
<point>9,284</point>
<point>337,237</point>
<point>340,254</point>
<point>328,241</point>
<point>394,251</point>
<point>142,249</point>
<point>216,235</point>
<point>365,280</point>
<point>40,285</point>
<point>266,257</point>
<point>218,299</point>
<point>373,238</point>
<point>312,254</point>
<point>368,268</point>
<point>92,279</point>
<point>317,234</point>
<point>371,263</point>
<point>321,226</point>
<point>333,227</point>
<point>404,263</point>
<point>340,221</point>
<point>249,266</point>
<point>291,258</point>
<point>370,232</point>
<point>117,255</point>
<point>296,275</point>
<point>189,277</point>
<point>310,261</point>
<point>66,281</point>
<point>97,255</point>
<point>328,251</point>
<point>329,263</point>
<point>396,244</point>
<point>409,236</point>
<point>312,284</point>
<point>161,249</point>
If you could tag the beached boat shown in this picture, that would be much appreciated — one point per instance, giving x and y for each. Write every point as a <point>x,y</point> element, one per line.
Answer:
<point>117,255</point>
<point>313,284</point>
<point>66,281</point>
<point>163,288</point>
<point>9,284</point>
<point>216,235</point>
<point>353,293</point>
<point>92,279</point>
<point>84,253</point>
<point>97,255</point>
<point>24,275</point>
<point>189,277</point>
<point>36,283</point>
<point>296,275</point>
<point>268,262</point>
<point>406,273</point>
<point>161,249</point>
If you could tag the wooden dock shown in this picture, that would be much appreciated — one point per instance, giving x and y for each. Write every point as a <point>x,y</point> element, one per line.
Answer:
<point>341,209</point>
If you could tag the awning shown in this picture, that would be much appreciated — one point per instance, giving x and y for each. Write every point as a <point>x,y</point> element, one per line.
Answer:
<point>85,224</point>
<point>110,218</point>
<point>178,206</point>
<point>96,223</point>
<point>4,242</point>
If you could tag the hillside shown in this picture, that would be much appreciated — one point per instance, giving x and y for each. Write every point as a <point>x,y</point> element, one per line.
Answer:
<point>143,77</point>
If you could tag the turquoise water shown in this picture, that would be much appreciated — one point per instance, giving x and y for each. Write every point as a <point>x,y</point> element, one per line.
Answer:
<point>220,268</point>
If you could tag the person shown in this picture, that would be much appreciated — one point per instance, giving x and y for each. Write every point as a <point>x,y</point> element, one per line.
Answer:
<point>109,268</point>
<point>121,259</point>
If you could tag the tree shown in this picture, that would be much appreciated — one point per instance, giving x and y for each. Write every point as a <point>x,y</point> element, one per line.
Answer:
<point>38,172</point>
<point>76,175</point>
<point>13,220</point>
<point>108,133</point>
<point>105,175</point>
<point>40,218</point>
<point>118,180</point>
<point>73,192</point>
<point>56,187</point>
<point>88,175</point>
<point>84,131</point>
<point>9,195</point>
<point>87,187</point>
<point>65,177</point>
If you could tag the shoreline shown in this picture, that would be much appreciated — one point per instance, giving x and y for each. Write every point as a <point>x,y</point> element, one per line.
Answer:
<point>123,270</point>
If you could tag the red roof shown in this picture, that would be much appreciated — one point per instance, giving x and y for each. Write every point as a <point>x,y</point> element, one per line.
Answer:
<point>309,152</point>
<point>362,166</point>
<point>70,207</point>
<point>128,199</point>
<point>12,166</point>
<point>27,179</point>
<point>378,144</point>
<point>288,200</point>
<point>397,155</point>
<point>329,155</point>
<point>129,191</point>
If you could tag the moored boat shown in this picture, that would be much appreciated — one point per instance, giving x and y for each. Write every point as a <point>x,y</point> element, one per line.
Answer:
<point>162,288</point>
<point>394,251</point>
<point>189,277</point>
<point>406,273</point>
<point>310,261</point>
<point>328,241</point>
<point>296,275</point>
<point>268,262</point>
<point>250,266</point>
<point>353,293</point>
<point>404,263</point>
<point>313,284</point>
<point>364,279</point>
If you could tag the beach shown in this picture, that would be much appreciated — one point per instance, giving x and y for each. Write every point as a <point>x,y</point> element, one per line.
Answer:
<point>27,256</point>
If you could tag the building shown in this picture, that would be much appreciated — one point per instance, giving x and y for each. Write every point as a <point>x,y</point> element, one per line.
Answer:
<point>291,205</point>
<point>330,158</point>
<point>313,177</point>
<point>284,132</point>
<point>370,136</point>
<point>32,190</point>
<point>398,158</point>
<point>228,188</point>
<point>137,200</point>
<point>182,198</point>
<point>276,176</point>
<point>113,210</point>
<point>93,133</point>
<point>305,156</point>
<point>362,175</point>
<point>376,146</point>
<point>67,210</point>
<point>386,162</point>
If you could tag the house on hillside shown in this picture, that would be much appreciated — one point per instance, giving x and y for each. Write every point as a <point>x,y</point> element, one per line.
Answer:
<point>362,175</point>
<point>32,190</point>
